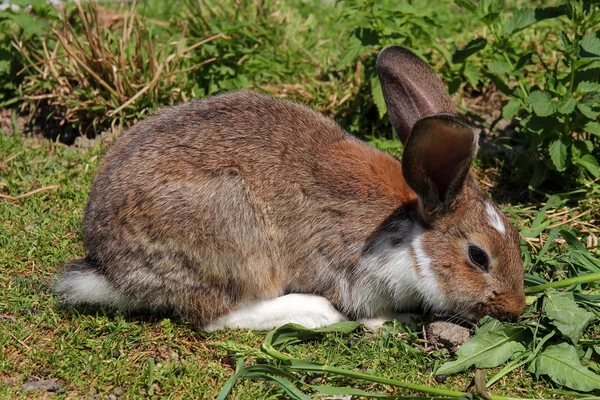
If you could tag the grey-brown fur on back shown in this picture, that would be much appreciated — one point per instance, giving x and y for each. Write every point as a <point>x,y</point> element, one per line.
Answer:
<point>230,198</point>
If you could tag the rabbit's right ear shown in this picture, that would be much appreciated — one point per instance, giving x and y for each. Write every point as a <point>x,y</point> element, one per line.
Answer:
<point>411,89</point>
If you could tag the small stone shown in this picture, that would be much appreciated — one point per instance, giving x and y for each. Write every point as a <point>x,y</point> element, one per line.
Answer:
<point>50,385</point>
<point>441,378</point>
<point>112,397</point>
<point>442,334</point>
<point>118,391</point>
<point>116,353</point>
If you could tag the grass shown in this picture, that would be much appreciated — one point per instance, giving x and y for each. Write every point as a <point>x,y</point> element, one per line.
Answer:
<point>106,353</point>
<point>309,51</point>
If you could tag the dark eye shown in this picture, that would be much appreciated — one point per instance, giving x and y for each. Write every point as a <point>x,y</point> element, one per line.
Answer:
<point>479,258</point>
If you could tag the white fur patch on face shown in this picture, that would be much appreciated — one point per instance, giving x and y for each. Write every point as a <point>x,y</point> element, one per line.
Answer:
<point>388,280</point>
<point>308,310</point>
<point>428,287</point>
<point>494,218</point>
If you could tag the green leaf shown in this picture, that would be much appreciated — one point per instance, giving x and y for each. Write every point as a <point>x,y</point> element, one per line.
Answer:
<point>558,154</point>
<point>377,94</point>
<point>588,162</point>
<point>529,16</point>
<point>471,72</point>
<point>591,44</point>
<point>487,349</point>
<point>588,111</point>
<point>541,103</point>
<point>335,391</point>
<point>470,48</point>
<point>467,4</point>
<point>593,128</point>
<point>567,106</point>
<point>511,109</point>
<point>587,87</point>
<point>566,315</point>
<point>500,67</point>
<point>572,241</point>
<point>561,363</point>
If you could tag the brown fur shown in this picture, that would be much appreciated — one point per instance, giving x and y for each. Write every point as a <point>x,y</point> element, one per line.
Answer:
<point>241,197</point>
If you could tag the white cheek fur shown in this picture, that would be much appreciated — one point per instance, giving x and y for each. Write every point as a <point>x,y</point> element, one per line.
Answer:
<point>388,279</point>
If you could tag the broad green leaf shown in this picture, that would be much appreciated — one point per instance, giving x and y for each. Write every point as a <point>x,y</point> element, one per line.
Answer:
<point>567,106</point>
<point>591,44</point>
<point>566,315</point>
<point>587,87</point>
<point>593,128</point>
<point>588,111</point>
<point>541,103</point>
<point>558,154</point>
<point>471,72</point>
<point>470,48</point>
<point>500,67</point>
<point>467,4</point>
<point>511,109</point>
<point>352,51</point>
<point>486,349</point>
<point>377,94</point>
<point>529,16</point>
<point>561,363</point>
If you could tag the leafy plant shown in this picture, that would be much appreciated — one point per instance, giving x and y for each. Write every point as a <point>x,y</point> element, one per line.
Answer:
<point>537,344</point>
<point>556,109</point>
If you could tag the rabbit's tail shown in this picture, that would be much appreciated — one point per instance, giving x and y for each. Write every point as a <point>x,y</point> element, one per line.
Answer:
<point>82,282</point>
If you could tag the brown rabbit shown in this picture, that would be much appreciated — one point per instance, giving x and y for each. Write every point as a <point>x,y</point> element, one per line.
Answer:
<point>247,211</point>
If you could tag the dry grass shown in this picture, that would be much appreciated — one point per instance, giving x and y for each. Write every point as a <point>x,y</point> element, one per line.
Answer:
<point>100,69</point>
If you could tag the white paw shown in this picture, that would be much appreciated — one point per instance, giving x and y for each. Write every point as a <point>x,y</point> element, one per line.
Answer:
<point>308,310</point>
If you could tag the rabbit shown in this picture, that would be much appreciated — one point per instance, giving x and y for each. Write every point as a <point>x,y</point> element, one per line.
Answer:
<point>246,211</point>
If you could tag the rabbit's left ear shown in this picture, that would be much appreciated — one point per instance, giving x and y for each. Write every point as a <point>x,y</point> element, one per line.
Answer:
<point>411,89</point>
<point>436,160</point>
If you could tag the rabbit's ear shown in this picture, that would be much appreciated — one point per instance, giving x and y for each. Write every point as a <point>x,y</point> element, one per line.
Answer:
<point>411,89</point>
<point>437,158</point>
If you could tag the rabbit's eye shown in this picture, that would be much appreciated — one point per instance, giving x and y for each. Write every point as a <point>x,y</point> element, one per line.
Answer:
<point>479,258</point>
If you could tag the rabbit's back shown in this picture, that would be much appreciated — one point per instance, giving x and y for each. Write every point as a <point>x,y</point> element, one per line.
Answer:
<point>238,196</point>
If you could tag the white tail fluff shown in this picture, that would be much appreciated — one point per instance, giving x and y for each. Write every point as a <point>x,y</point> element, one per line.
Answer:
<point>83,284</point>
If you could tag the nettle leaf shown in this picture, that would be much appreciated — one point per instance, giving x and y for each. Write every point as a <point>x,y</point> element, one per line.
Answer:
<point>377,94</point>
<point>467,4</point>
<point>468,50</point>
<point>567,106</point>
<point>593,128</point>
<point>561,363</point>
<point>529,16</point>
<point>511,109</point>
<point>471,72</point>
<point>591,44</point>
<point>587,87</point>
<point>588,111</point>
<point>566,315</point>
<point>558,154</point>
<point>500,67</point>
<point>542,103</point>
<point>487,349</point>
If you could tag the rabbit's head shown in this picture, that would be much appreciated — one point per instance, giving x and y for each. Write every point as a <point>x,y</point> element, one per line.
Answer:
<point>468,253</point>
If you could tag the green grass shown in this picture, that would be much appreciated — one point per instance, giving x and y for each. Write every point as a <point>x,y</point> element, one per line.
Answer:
<point>97,351</point>
<point>320,55</point>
